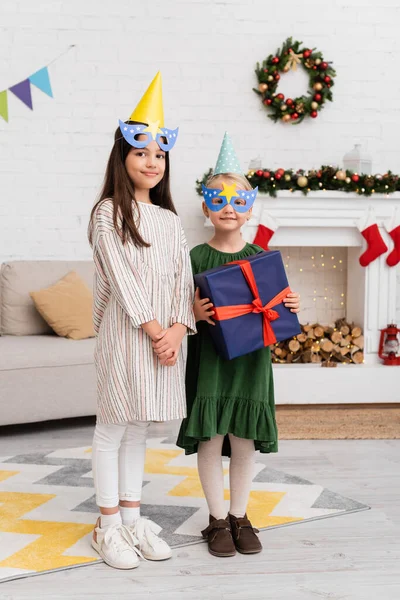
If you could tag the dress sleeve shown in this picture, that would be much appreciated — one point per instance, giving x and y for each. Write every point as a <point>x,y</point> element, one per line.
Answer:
<point>124,277</point>
<point>182,303</point>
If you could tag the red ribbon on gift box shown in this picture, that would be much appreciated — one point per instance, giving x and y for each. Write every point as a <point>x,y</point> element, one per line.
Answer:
<point>222,313</point>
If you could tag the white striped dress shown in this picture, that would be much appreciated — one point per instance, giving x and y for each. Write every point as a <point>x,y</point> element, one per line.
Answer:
<point>133,286</point>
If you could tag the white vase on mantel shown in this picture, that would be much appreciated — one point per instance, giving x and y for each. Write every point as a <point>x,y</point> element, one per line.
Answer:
<point>358,161</point>
<point>255,164</point>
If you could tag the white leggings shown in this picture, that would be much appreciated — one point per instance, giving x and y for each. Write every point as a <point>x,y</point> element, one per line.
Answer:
<point>241,472</point>
<point>118,456</point>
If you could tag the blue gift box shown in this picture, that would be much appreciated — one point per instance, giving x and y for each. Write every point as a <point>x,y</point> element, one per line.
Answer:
<point>227,286</point>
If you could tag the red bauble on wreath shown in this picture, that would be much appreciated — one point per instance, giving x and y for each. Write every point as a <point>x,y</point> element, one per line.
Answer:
<point>321,75</point>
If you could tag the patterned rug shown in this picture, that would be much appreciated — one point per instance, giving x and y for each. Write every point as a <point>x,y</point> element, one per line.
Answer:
<point>47,505</point>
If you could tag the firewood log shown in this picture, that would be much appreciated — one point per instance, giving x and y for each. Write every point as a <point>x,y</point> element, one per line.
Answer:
<point>306,356</point>
<point>336,336</point>
<point>326,345</point>
<point>302,337</point>
<point>294,345</point>
<point>359,342</point>
<point>328,363</point>
<point>358,357</point>
<point>356,332</point>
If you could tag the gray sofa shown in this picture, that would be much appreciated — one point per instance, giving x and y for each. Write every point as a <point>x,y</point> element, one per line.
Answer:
<point>42,376</point>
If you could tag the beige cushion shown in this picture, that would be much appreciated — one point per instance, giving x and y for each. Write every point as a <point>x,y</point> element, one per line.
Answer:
<point>67,307</point>
<point>18,313</point>
<point>44,351</point>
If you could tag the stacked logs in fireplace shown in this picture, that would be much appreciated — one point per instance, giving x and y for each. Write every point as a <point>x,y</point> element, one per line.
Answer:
<point>328,345</point>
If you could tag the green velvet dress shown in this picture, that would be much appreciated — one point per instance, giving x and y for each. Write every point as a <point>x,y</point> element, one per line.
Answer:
<point>226,396</point>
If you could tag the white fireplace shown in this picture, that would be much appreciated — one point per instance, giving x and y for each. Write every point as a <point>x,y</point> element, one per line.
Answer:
<point>329,220</point>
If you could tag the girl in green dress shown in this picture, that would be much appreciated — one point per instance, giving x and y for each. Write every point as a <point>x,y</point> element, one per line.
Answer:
<point>230,404</point>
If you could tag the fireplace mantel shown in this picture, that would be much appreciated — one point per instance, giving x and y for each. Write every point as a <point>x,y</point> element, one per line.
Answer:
<point>332,216</point>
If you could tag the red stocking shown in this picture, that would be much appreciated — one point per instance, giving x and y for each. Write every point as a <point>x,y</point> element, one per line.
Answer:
<point>394,231</point>
<point>394,257</point>
<point>265,231</point>
<point>375,244</point>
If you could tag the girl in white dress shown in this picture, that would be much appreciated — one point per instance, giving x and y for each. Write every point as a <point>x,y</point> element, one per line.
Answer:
<point>143,294</point>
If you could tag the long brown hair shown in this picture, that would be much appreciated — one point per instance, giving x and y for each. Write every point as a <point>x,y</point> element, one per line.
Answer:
<point>120,188</point>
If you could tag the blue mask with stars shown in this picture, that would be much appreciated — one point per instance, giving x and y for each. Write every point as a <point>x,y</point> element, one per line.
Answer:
<point>164,137</point>
<point>240,200</point>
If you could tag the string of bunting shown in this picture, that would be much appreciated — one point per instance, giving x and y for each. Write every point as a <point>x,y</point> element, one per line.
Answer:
<point>325,178</point>
<point>22,89</point>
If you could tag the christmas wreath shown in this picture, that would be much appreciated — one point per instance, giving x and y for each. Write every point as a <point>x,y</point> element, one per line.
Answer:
<point>325,178</point>
<point>293,110</point>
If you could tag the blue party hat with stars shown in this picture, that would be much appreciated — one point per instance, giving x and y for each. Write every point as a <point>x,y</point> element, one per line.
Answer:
<point>227,161</point>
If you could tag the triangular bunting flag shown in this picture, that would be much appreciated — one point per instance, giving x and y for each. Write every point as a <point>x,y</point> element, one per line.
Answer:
<point>4,105</point>
<point>42,81</point>
<point>23,92</point>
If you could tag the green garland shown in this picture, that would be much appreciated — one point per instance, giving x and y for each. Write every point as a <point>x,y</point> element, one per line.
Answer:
<point>326,178</point>
<point>320,74</point>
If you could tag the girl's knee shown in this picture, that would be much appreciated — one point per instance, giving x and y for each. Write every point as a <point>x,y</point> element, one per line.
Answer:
<point>137,431</point>
<point>241,445</point>
<point>107,436</point>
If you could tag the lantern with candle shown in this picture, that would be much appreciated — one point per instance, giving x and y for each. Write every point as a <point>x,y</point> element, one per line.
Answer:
<point>389,345</point>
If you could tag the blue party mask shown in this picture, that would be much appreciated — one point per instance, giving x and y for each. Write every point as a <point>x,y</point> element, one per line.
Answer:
<point>240,200</point>
<point>131,132</point>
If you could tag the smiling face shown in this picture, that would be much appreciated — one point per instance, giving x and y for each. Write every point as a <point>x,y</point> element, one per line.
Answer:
<point>226,219</point>
<point>146,166</point>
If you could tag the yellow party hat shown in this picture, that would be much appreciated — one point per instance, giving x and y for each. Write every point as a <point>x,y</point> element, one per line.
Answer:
<point>150,108</point>
<point>150,112</point>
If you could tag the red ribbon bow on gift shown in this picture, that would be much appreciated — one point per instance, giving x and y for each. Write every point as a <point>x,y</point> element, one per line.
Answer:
<point>223,313</point>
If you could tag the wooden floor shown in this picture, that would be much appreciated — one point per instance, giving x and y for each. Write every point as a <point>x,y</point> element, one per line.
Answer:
<point>354,557</point>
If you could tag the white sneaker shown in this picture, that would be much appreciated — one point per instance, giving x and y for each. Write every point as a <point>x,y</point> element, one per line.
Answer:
<point>148,543</point>
<point>116,545</point>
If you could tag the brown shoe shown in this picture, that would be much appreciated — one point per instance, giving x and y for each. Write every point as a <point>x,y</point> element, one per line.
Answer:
<point>244,535</point>
<point>219,537</point>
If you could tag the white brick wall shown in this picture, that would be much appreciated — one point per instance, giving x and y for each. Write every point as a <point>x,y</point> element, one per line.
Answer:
<point>52,159</point>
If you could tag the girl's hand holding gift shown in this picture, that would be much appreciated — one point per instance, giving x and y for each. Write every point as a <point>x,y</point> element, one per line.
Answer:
<point>202,308</point>
<point>167,343</point>
<point>292,301</point>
